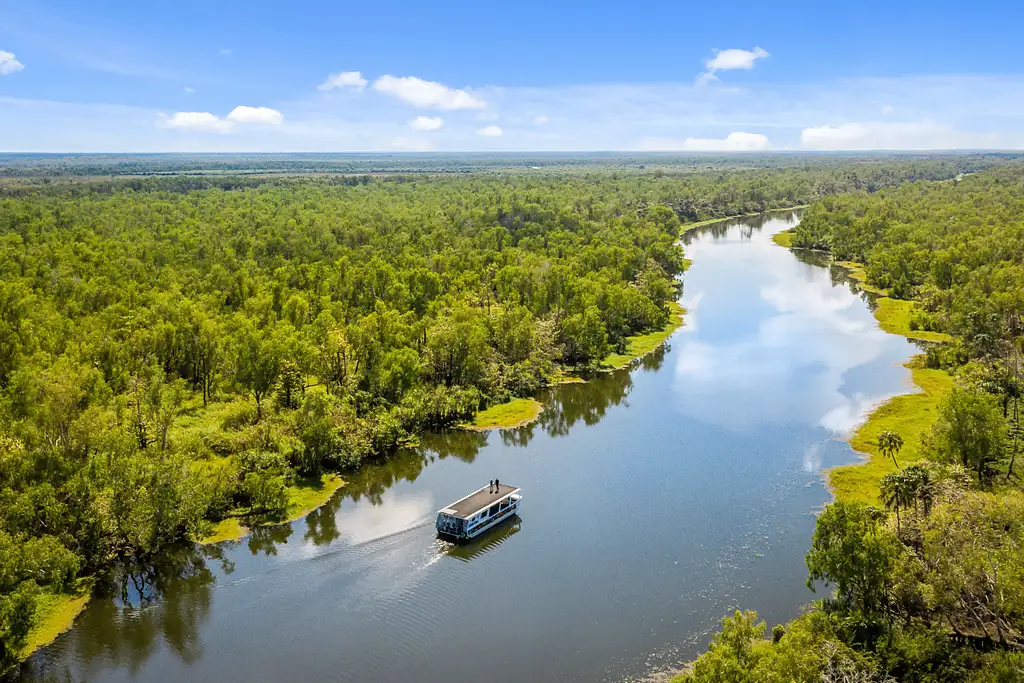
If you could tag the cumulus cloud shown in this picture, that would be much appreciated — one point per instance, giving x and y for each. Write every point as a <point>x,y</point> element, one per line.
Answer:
<point>202,121</point>
<point>205,122</point>
<point>413,144</point>
<point>733,142</point>
<point>189,90</point>
<point>726,60</point>
<point>345,79</point>
<point>427,122</point>
<point>919,135</point>
<point>540,120</point>
<point>264,116</point>
<point>8,64</point>
<point>427,94</point>
<point>490,132</point>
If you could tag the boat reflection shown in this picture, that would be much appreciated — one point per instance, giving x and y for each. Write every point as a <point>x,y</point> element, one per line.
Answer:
<point>486,543</point>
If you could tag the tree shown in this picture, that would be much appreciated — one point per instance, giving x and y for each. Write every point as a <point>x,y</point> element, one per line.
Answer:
<point>731,657</point>
<point>890,444</point>
<point>257,363</point>
<point>852,551</point>
<point>970,430</point>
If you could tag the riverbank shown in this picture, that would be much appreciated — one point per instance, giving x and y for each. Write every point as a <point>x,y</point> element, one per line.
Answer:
<point>642,344</point>
<point>516,413</point>
<point>700,224</point>
<point>910,415</point>
<point>55,615</point>
<point>304,497</point>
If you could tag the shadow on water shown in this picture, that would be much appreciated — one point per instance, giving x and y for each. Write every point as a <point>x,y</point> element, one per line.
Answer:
<point>485,543</point>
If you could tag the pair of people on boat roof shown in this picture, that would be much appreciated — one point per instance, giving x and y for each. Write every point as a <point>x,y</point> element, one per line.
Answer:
<point>494,487</point>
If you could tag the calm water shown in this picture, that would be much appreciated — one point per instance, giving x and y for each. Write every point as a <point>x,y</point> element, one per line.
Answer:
<point>654,502</point>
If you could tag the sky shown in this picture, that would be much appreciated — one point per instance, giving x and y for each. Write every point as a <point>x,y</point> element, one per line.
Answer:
<point>335,76</point>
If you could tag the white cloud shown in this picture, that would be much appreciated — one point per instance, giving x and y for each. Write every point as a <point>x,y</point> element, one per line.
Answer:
<point>413,144</point>
<point>226,51</point>
<point>189,90</point>
<point>8,64</point>
<point>205,122</point>
<point>919,135</point>
<point>427,94</point>
<point>888,109</point>
<point>490,132</point>
<point>733,142</point>
<point>345,79</point>
<point>264,116</point>
<point>427,122</point>
<point>202,121</point>
<point>726,60</point>
<point>540,120</point>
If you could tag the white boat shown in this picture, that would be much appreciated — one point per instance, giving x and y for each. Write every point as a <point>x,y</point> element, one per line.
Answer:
<point>471,516</point>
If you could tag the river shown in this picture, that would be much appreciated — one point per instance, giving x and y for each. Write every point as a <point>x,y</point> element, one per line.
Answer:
<point>655,501</point>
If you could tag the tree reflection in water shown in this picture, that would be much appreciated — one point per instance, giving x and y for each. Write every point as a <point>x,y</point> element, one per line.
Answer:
<point>120,627</point>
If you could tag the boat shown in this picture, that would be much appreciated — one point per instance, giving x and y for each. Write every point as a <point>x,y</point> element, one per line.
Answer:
<point>481,510</point>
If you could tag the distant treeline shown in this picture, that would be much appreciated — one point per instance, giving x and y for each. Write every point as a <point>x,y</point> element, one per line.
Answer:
<point>57,165</point>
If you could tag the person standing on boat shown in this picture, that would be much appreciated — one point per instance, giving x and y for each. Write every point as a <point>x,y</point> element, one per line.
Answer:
<point>497,486</point>
<point>490,487</point>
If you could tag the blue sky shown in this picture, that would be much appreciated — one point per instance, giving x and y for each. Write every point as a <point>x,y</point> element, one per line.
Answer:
<point>335,76</point>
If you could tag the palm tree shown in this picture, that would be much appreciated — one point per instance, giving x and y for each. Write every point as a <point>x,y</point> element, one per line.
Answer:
<point>919,487</point>
<point>892,494</point>
<point>890,444</point>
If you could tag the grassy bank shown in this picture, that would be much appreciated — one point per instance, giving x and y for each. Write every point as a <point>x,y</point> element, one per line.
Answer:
<point>304,496</point>
<point>784,238</point>
<point>643,344</point>
<point>909,415</point>
<point>894,316</point>
<point>516,413</point>
<point>55,614</point>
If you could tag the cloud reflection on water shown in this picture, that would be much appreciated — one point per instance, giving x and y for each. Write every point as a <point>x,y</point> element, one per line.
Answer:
<point>802,339</point>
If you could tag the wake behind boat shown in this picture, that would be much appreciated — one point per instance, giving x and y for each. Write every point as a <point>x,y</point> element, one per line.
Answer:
<point>469,517</point>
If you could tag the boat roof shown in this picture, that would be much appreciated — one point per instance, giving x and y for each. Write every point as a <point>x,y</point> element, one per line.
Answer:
<point>478,500</point>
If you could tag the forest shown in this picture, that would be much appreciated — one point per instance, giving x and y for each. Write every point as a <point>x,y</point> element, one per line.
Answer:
<point>178,351</point>
<point>927,585</point>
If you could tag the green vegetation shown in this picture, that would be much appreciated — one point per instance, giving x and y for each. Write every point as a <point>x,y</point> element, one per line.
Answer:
<point>897,317</point>
<point>640,345</point>
<point>783,238</point>
<point>515,413</point>
<point>55,613</point>
<point>192,354</point>
<point>911,416</point>
<point>924,546</point>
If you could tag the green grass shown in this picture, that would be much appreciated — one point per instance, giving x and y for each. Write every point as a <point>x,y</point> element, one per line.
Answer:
<point>304,496</point>
<point>515,413</point>
<point>784,238</point>
<point>55,613</point>
<point>894,316</point>
<point>856,272</point>
<point>911,416</point>
<point>643,344</point>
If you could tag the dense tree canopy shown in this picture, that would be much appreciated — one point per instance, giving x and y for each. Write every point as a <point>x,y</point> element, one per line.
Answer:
<point>175,350</point>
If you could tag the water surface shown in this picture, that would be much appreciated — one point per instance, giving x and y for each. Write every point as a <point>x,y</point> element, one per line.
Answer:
<point>655,501</point>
